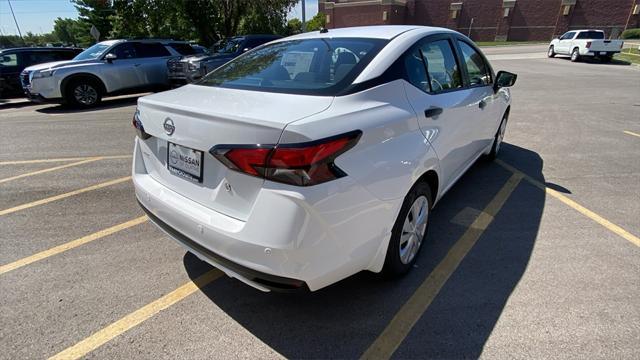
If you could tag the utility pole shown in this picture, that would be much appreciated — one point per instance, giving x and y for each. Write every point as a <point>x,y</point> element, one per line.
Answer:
<point>470,25</point>
<point>304,17</point>
<point>16,21</point>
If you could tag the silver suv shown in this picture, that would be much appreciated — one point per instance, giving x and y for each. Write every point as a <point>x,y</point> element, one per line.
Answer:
<point>111,67</point>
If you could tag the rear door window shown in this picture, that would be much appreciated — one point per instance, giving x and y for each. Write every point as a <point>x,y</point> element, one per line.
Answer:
<point>9,60</point>
<point>568,36</point>
<point>478,71</point>
<point>39,57</point>
<point>148,50</point>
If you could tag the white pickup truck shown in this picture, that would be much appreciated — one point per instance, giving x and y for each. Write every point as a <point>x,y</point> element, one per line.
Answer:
<point>579,43</point>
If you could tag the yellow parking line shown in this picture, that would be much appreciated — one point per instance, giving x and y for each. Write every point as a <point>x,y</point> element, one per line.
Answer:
<point>402,323</point>
<point>63,196</point>
<point>70,245</point>
<point>49,169</point>
<point>581,209</point>
<point>38,161</point>
<point>136,318</point>
<point>631,133</point>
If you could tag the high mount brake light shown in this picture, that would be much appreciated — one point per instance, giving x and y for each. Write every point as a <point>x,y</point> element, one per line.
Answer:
<point>302,164</point>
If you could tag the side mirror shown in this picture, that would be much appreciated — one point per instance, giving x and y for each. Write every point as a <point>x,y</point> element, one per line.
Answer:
<point>504,79</point>
<point>110,57</point>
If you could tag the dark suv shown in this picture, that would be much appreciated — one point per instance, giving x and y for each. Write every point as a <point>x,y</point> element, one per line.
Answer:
<point>191,68</point>
<point>13,61</point>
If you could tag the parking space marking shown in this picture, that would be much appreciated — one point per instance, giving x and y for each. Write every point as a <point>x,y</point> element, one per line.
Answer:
<point>631,133</point>
<point>409,314</point>
<point>38,161</point>
<point>60,167</point>
<point>581,209</point>
<point>136,318</point>
<point>71,244</point>
<point>63,196</point>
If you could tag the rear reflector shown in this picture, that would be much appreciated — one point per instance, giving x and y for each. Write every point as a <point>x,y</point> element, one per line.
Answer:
<point>301,164</point>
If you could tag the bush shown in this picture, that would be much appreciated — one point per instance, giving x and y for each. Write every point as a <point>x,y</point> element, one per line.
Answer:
<point>631,34</point>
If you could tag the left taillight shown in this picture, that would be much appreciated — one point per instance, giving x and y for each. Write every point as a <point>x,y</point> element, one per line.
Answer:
<point>588,44</point>
<point>137,124</point>
<point>301,164</point>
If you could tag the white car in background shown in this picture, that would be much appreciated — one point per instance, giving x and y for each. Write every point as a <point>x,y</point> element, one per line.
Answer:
<point>581,43</point>
<point>309,159</point>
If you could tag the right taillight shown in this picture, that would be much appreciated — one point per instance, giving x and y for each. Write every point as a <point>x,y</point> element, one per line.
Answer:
<point>301,164</point>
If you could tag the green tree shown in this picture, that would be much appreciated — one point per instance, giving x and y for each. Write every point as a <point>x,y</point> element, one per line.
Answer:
<point>66,30</point>
<point>96,13</point>
<point>316,22</point>
<point>294,26</point>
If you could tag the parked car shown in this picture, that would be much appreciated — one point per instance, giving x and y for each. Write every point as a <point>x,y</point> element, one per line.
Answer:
<point>13,61</point>
<point>106,68</point>
<point>580,43</point>
<point>191,68</point>
<point>320,155</point>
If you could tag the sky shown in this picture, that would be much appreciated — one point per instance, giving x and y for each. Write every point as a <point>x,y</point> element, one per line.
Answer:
<point>38,16</point>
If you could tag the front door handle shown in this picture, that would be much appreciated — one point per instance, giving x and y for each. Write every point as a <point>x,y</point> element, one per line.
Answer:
<point>482,104</point>
<point>432,112</point>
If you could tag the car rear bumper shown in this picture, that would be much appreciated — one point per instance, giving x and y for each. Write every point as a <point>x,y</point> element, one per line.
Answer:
<point>286,243</point>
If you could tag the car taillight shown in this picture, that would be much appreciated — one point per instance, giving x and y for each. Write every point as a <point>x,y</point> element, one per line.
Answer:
<point>301,164</point>
<point>588,44</point>
<point>137,124</point>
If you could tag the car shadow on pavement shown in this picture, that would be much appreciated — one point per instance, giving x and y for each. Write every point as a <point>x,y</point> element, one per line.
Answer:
<point>588,60</point>
<point>105,104</point>
<point>344,319</point>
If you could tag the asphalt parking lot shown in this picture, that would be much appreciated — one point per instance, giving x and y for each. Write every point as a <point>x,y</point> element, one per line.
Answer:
<point>534,256</point>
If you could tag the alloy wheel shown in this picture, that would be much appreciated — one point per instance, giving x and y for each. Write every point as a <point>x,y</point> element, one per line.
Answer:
<point>85,94</point>
<point>414,229</point>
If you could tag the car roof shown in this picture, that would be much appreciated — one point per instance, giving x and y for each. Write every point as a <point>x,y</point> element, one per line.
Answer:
<point>386,32</point>
<point>39,49</point>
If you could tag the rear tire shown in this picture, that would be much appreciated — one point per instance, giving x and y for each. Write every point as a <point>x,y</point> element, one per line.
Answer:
<point>575,55</point>
<point>409,231</point>
<point>551,53</point>
<point>83,93</point>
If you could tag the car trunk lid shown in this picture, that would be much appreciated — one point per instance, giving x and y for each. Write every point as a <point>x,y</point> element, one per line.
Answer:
<point>203,117</point>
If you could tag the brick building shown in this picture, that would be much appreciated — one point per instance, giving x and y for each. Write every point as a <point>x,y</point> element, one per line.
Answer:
<point>487,20</point>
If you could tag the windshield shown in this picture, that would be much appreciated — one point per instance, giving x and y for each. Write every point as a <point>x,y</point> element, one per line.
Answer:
<point>310,66</point>
<point>93,52</point>
<point>228,47</point>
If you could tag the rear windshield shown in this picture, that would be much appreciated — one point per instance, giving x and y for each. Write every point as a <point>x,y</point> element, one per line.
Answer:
<point>595,35</point>
<point>310,66</point>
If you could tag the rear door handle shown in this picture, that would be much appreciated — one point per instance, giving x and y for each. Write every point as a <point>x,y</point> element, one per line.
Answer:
<point>482,104</point>
<point>432,112</point>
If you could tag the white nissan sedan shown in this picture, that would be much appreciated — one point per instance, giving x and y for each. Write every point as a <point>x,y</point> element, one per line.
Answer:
<point>320,155</point>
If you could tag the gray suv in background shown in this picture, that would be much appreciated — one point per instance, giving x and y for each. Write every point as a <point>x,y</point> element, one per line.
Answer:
<point>191,68</point>
<point>110,67</point>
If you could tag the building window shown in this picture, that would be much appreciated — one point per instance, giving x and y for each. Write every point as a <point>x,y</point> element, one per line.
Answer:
<point>566,10</point>
<point>454,9</point>
<point>454,14</point>
<point>328,18</point>
<point>636,9</point>
<point>384,16</point>
<point>506,12</point>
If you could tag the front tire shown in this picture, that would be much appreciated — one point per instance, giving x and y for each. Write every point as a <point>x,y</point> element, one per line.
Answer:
<point>575,55</point>
<point>83,93</point>
<point>409,231</point>
<point>497,140</point>
<point>551,53</point>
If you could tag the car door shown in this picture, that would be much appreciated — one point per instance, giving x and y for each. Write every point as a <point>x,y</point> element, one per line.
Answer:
<point>443,106</point>
<point>153,57</point>
<point>564,43</point>
<point>478,77</point>
<point>122,73</point>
